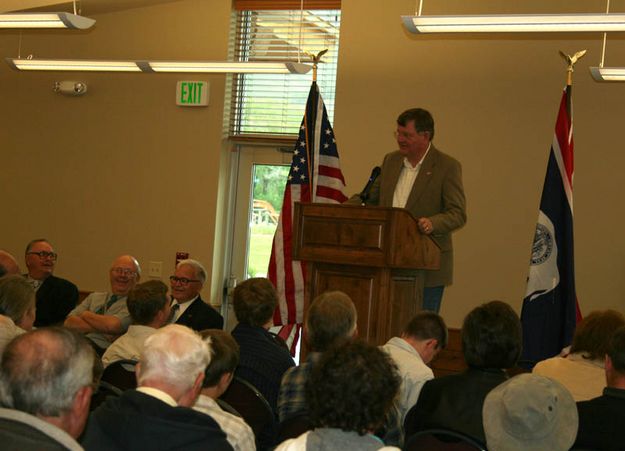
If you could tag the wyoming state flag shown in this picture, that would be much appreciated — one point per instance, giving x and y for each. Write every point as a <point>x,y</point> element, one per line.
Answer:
<point>550,310</point>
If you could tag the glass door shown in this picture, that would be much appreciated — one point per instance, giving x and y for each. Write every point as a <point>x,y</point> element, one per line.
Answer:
<point>260,180</point>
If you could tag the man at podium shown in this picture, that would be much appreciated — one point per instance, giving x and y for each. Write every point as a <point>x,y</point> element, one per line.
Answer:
<point>427,183</point>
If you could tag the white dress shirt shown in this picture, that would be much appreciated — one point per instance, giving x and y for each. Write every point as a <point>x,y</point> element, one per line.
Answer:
<point>412,370</point>
<point>406,179</point>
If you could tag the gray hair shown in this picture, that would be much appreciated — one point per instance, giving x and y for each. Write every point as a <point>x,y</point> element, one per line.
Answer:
<point>17,296</point>
<point>41,371</point>
<point>331,318</point>
<point>31,243</point>
<point>175,355</point>
<point>200,271</point>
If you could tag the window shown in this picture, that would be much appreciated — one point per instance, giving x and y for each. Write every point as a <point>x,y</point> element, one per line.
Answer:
<point>273,104</point>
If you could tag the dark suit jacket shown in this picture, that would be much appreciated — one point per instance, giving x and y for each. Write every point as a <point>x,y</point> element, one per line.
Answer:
<point>437,194</point>
<point>199,316</point>
<point>602,421</point>
<point>136,421</point>
<point>454,402</point>
<point>56,297</point>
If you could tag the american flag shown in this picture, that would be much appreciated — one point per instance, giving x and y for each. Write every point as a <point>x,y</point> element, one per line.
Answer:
<point>315,176</point>
<point>550,310</point>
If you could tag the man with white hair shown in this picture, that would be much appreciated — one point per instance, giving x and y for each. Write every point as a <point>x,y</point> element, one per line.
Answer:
<point>104,316</point>
<point>188,308</point>
<point>157,415</point>
<point>45,386</point>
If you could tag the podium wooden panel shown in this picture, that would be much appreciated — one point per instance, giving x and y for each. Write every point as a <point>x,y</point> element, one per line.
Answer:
<point>374,254</point>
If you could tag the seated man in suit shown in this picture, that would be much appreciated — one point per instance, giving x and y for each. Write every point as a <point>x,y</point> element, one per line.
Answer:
<point>217,377</point>
<point>56,297</point>
<point>148,305</point>
<point>8,264</point>
<point>104,316</point>
<point>188,308</point>
<point>157,415</point>
<point>491,342</point>
<point>331,319</point>
<point>46,377</point>
<point>601,420</point>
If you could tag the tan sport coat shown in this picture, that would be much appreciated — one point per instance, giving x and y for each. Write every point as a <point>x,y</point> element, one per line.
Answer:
<point>437,194</point>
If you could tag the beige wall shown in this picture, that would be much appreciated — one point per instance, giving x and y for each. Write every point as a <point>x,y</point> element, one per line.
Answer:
<point>494,100</point>
<point>123,169</point>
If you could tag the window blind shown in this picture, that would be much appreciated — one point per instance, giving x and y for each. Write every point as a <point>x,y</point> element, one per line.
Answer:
<point>273,104</point>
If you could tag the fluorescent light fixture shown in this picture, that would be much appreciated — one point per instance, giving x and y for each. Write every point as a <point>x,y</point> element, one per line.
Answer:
<point>499,23</point>
<point>228,66</point>
<point>45,20</point>
<point>73,65</point>
<point>159,66</point>
<point>608,73</point>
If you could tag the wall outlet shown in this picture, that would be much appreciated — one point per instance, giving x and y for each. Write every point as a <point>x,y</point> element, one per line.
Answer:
<point>155,270</point>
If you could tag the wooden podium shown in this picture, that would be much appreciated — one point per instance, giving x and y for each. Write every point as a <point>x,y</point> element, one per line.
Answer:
<point>374,254</point>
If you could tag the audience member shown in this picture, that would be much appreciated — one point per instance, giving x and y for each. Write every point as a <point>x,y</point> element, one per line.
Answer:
<point>45,386</point>
<point>530,413</point>
<point>217,377</point>
<point>602,419</point>
<point>56,297</point>
<point>104,316</point>
<point>17,308</point>
<point>8,264</point>
<point>188,308</point>
<point>349,392</point>
<point>422,339</point>
<point>582,371</point>
<point>148,305</point>
<point>331,319</point>
<point>156,416</point>
<point>263,361</point>
<point>491,341</point>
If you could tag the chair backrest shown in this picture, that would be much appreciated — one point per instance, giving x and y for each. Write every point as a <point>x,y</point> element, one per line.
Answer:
<point>253,407</point>
<point>121,374</point>
<point>294,427</point>
<point>442,440</point>
<point>103,391</point>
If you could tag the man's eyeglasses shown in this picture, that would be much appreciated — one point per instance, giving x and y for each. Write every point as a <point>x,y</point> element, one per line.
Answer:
<point>182,280</point>
<point>408,136</point>
<point>44,254</point>
<point>124,272</point>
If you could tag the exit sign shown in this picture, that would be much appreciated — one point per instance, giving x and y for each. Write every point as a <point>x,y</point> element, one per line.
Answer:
<point>192,93</point>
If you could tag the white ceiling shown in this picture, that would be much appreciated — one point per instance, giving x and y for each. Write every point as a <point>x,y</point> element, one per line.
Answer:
<point>86,7</point>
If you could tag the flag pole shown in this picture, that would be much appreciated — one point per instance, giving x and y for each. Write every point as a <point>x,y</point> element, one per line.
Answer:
<point>571,60</point>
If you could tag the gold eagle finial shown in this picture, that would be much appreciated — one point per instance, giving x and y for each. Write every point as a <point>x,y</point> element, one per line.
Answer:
<point>571,60</point>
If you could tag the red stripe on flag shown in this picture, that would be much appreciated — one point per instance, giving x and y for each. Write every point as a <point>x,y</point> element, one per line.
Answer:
<point>563,135</point>
<point>331,193</point>
<point>329,171</point>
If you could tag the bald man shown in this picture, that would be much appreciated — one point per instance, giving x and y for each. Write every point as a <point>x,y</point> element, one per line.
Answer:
<point>104,316</point>
<point>56,297</point>
<point>8,264</point>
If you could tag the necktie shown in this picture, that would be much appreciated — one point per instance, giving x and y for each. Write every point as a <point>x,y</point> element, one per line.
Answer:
<point>174,310</point>
<point>104,307</point>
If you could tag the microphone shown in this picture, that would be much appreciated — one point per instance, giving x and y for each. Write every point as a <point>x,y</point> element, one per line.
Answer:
<point>375,173</point>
